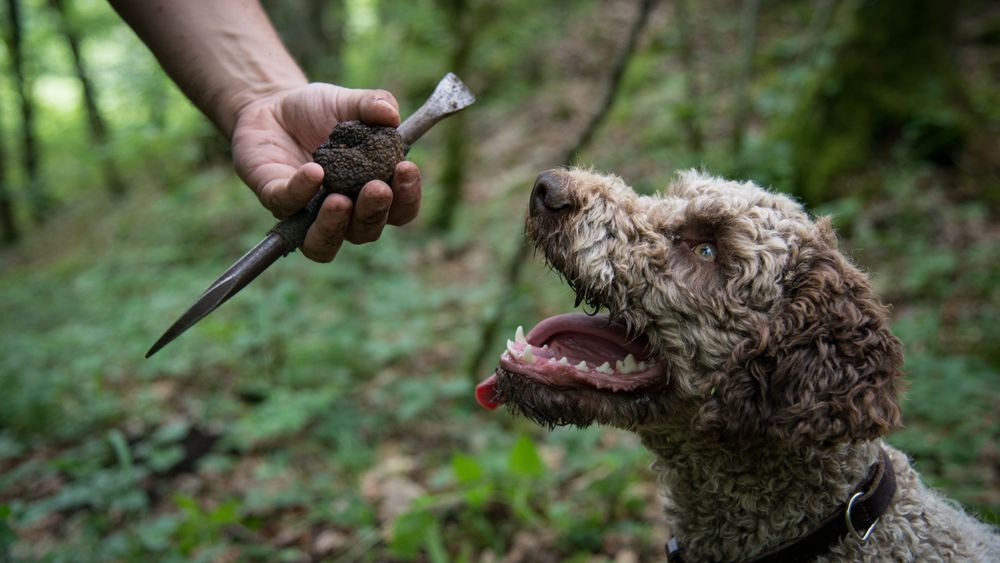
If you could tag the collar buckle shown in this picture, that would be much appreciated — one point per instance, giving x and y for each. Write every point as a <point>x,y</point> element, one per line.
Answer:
<point>850,523</point>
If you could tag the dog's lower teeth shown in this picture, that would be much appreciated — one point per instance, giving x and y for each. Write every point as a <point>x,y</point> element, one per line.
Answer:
<point>604,368</point>
<point>528,356</point>
<point>629,365</point>
<point>519,335</point>
<point>581,365</point>
<point>564,361</point>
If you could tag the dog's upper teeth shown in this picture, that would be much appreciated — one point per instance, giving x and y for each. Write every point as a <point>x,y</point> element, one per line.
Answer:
<point>519,335</point>
<point>604,368</point>
<point>642,366</point>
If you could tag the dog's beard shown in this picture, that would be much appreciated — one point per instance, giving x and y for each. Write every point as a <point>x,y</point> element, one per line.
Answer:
<point>551,407</point>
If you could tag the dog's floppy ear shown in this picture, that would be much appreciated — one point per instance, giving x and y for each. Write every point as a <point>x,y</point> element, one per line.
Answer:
<point>824,368</point>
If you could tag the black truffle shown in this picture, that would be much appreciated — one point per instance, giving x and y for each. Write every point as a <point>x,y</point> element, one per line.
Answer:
<point>356,153</point>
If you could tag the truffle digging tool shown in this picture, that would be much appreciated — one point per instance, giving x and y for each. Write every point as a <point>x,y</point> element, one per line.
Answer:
<point>353,155</point>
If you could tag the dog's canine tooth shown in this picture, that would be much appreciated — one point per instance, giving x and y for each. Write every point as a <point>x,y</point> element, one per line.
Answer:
<point>629,364</point>
<point>519,335</point>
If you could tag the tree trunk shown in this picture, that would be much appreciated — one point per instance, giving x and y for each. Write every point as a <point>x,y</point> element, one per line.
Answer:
<point>8,223</point>
<point>815,37</point>
<point>96,122</point>
<point>892,88</point>
<point>39,202</point>
<point>460,28</point>
<point>748,35</point>
<point>689,110</point>
<point>516,264</point>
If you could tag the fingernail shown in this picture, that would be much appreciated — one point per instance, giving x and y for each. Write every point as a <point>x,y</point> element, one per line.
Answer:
<point>385,103</point>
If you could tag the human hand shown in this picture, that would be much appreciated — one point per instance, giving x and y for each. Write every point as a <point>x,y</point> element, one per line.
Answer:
<point>273,140</point>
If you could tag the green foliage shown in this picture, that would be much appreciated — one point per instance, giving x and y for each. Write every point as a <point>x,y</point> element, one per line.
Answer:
<point>7,534</point>
<point>416,529</point>
<point>889,86</point>
<point>283,413</point>
<point>200,526</point>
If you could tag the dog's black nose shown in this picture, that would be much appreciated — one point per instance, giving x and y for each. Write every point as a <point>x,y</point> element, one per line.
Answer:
<point>550,194</point>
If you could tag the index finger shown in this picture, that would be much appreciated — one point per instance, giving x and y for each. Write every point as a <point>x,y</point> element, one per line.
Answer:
<point>285,194</point>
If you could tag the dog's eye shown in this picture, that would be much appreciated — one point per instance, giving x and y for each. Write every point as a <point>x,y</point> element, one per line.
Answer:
<point>705,251</point>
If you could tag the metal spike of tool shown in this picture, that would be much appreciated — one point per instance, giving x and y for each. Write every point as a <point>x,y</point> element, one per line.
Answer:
<point>450,96</point>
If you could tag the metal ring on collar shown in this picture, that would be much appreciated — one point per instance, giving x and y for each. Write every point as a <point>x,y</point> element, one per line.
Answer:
<point>850,524</point>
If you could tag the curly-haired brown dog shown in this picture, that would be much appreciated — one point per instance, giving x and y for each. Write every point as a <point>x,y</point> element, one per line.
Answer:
<point>749,355</point>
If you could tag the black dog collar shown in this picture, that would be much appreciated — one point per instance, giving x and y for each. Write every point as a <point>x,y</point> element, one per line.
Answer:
<point>856,518</point>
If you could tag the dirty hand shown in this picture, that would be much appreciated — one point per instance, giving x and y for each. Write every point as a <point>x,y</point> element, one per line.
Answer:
<point>273,140</point>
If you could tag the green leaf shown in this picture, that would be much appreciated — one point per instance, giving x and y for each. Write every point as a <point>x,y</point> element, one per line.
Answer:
<point>478,495</point>
<point>466,468</point>
<point>187,504</point>
<point>120,446</point>
<point>524,460</point>
<point>226,513</point>
<point>409,532</point>
<point>436,551</point>
<point>7,535</point>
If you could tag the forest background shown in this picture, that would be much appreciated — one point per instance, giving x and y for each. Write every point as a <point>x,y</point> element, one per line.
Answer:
<point>327,413</point>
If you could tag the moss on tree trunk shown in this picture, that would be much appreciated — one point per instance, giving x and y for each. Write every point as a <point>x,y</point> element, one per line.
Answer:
<point>892,86</point>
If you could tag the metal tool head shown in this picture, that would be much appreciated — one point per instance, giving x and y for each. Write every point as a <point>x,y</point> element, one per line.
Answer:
<point>450,96</point>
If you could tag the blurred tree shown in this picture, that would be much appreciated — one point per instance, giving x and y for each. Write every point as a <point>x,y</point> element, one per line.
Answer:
<point>690,110</point>
<point>37,195</point>
<point>892,88</point>
<point>462,24</point>
<point>8,224</point>
<point>748,44</point>
<point>822,14</point>
<point>313,31</point>
<point>96,122</point>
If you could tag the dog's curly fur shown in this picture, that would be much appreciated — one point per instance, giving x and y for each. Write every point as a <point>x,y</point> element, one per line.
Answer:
<point>780,373</point>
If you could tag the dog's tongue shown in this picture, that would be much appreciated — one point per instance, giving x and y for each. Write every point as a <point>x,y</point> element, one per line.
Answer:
<point>486,393</point>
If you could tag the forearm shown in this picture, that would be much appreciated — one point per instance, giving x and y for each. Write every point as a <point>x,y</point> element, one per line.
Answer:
<point>223,54</point>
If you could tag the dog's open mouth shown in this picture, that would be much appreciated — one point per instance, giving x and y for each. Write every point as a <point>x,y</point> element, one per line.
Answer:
<point>576,351</point>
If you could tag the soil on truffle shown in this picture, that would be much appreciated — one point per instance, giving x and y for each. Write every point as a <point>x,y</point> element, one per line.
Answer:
<point>355,154</point>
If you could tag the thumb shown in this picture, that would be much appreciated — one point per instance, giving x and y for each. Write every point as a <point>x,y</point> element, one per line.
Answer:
<point>372,107</point>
